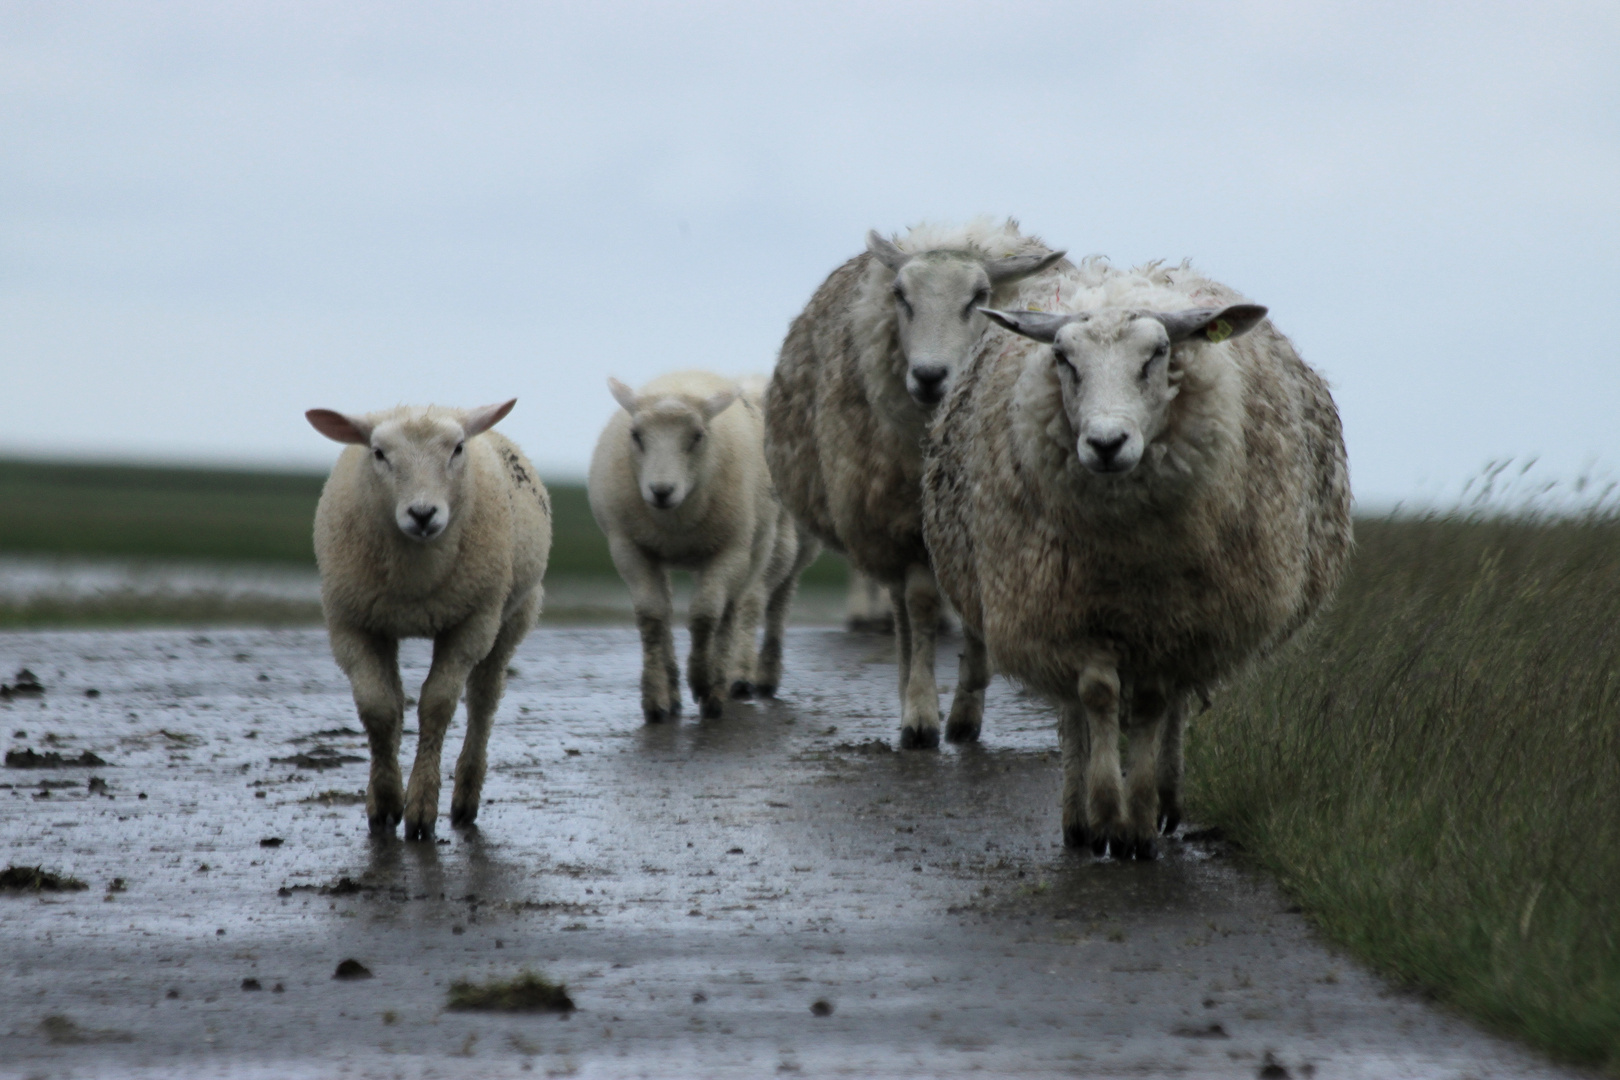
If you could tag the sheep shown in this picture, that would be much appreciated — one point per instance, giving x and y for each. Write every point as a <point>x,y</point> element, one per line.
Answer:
<point>860,372</point>
<point>678,480</point>
<point>1140,495</point>
<point>430,525</point>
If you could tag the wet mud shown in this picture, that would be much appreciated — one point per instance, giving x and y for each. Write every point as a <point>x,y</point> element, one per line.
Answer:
<point>778,891</point>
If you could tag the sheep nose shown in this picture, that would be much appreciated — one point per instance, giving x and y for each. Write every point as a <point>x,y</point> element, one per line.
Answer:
<point>1107,447</point>
<point>661,493</point>
<point>929,376</point>
<point>423,515</point>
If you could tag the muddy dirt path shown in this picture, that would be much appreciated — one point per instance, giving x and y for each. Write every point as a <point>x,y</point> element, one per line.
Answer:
<point>698,886</point>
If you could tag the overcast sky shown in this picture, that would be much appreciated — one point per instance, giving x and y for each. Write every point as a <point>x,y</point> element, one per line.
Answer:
<point>214,216</point>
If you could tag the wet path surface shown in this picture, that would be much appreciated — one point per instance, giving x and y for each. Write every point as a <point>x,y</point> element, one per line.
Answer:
<point>698,886</point>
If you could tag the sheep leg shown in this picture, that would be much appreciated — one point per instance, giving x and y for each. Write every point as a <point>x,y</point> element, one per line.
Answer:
<point>967,704</point>
<point>714,616</point>
<point>1074,737</point>
<point>455,653</point>
<point>919,706</point>
<point>744,660</point>
<point>902,635</point>
<point>648,582</point>
<point>1171,767</point>
<point>372,665</point>
<point>485,686</point>
<point>1105,804</point>
<point>1149,706</point>
<point>769,672</point>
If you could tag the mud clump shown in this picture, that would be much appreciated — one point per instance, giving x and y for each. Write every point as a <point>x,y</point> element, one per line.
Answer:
<point>23,684</point>
<point>528,992</point>
<point>321,757</point>
<point>821,1007</point>
<point>351,969</point>
<point>343,886</point>
<point>34,879</point>
<point>28,759</point>
<point>335,797</point>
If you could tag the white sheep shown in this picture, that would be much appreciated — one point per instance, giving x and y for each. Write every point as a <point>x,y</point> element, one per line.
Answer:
<point>433,526</point>
<point>678,481</point>
<point>860,373</point>
<point>1143,493</point>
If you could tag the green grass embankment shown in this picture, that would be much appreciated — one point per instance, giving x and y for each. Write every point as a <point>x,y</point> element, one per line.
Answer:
<point>226,516</point>
<point>1435,773</point>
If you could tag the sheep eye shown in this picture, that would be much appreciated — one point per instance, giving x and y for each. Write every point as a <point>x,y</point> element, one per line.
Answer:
<point>1158,354</point>
<point>980,298</point>
<point>900,298</point>
<point>377,453</point>
<point>697,437</point>
<point>1063,358</point>
<point>635,437</point>
<point>457,450</point>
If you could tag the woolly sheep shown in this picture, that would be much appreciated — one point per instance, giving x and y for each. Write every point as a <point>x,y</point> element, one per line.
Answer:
<point>860,373</point>
<point>678,481</point>
<point>1128,503</point>
<point>430,525</point>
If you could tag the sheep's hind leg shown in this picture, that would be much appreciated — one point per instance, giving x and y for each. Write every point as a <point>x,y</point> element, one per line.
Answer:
<point>744,665</point>
<point>967,704</point>
<point>372,664</point>
<point>1105,805</point>
<point>919,702</point>
<point>455,654</point>
<point>768,674</point>
<point>1074,737</point>
<point>1171,767</point>
<point>485,686</point>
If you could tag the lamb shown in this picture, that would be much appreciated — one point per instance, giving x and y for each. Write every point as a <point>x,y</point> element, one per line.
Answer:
<point>430,525</point>
<point>678,480</point>
<point>860,373</point>
<point>1140,495</point>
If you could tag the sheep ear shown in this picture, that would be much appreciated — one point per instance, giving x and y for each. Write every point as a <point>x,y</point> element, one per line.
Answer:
<point>886,252</point>
<point>340,428</point>
<point>1006,271</point>
<point>1040,325</point>
<point>481,420</point>
<point>1211,324</point>
<point>718,403</point>
<point>625,396</point>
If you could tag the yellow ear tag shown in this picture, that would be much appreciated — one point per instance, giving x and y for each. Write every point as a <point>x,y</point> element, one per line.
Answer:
<point>1218,331</point>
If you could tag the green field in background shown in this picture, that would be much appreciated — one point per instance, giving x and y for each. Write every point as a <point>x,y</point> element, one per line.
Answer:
<point>149,512</point>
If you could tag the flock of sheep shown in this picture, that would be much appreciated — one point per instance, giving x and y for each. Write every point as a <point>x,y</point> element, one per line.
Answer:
<point>1126,482</point>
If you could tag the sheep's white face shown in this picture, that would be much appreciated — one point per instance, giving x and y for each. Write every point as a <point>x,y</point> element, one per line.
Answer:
<point>418,462</point>
<point>1114,368</point>
<point>937,301</point>
<point>422,464</point>
<point>937,297</point>
<point>669,442</point>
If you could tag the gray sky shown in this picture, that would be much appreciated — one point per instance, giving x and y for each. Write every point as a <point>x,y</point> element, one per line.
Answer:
<point>216,215</point>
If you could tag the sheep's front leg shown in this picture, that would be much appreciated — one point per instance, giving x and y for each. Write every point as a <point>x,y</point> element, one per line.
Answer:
<point>1105,804</point>
<point>714,617</point>
<point>1149,707</point>
<point>372,665</point>
<point>648,582</point>
<point>1074,739</point>
<point>1171,767</point>
<point>485,686</point>
<point>919,701</point>
<point>768,673</point>
<point>744,665</point>
<point>455,653</point>
<point>973,675</point>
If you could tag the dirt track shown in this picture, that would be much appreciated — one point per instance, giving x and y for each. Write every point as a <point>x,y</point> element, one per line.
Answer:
<point>698,887</point>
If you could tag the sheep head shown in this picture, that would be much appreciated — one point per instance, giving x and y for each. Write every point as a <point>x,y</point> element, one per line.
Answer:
<point>1116,371</point>
<point>418,459</point>
<point>669,443</point>
<point>937,300</point>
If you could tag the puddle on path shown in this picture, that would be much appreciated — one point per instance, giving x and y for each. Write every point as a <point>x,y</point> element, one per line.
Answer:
<point>773,892</point>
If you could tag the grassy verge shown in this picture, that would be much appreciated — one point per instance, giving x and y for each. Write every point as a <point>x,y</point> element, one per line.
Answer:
<point>1435,774</point>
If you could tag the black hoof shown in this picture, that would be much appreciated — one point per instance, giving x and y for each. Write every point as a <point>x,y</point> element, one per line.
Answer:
<point>658,716</point>
<point>1076,836</point>
<point>463,820</point>
<point>742,691</point>
<point>1144,850</point>
<point>765,690</point>
<point>960,733</point>
<point>1099,846</point>
<point>1169,821</point>
<point>919,738</point>
<point>383,824</point>
<point>419,832</point>
<point>711,710</point>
